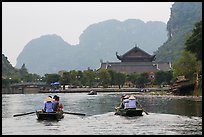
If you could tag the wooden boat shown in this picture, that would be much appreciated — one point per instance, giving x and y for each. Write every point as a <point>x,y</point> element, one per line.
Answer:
<point>182,86</point>
<point>49,116</point>
<point>129,112</point>
<point>92,92</point>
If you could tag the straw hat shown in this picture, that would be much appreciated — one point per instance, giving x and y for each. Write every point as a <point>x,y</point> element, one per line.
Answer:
<point>127,96</point>
<point>132,97</point>
<point>48,99</point>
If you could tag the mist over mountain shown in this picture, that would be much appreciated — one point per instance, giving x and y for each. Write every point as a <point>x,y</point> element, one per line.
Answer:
<point>100,41</point>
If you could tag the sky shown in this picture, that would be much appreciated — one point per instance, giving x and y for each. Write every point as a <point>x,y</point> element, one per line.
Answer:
<point>24,21</point>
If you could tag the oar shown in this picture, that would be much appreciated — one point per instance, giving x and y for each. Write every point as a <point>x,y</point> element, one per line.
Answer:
<point>75,113</point>
<point>23,114</point>
<point>143,109</point>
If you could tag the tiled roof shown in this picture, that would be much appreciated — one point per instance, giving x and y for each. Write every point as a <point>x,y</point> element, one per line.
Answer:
<point>136,60</point>
<point>135,55</point>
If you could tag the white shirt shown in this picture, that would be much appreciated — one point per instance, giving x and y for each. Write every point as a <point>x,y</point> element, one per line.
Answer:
<point>126,103</point>
<point>132,103</point>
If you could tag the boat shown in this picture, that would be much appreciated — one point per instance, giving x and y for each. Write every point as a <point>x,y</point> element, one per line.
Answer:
<point>49,115</point>
<point>92,92</point>
<point>182,86</point>
<point>129,112</point>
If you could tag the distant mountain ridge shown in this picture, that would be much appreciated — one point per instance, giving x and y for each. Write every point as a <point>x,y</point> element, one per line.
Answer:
<point>100,41</point>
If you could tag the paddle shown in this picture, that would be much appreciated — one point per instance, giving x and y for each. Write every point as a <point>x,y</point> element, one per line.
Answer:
<point>143,109</point>
<point>75,113</point>
<point>23,114</point>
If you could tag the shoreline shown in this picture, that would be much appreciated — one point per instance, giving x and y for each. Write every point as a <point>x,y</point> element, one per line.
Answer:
<point>81,90</point>
<point>87,90</point>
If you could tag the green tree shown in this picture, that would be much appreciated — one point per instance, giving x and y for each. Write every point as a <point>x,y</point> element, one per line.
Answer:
<point>142,79</point>
<point>105,77</point>
<point>113,77</point>
<point>185,65</point>
<point>31,78</point>
<point>163,77</point>
<point>194,42</point>
<point>139,79</point>
<point>133,78</point>
<point>65,78</point>
<point>88,77</point>
<point>50,78</point>
<point>120,79</point>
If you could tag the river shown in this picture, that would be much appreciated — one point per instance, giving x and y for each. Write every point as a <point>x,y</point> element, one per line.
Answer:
<point>168,115</point>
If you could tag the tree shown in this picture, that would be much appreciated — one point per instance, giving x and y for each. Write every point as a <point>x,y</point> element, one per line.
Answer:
<point>139,79</point>
<point>105,77</point>
<point>88,77</point>
<point>120,79</point>
<point>194,42</point>
<point>65,78</point>
<point>185,65</point>
<point>50,78</point>
<point>163,77</point>
<point>142,79</point>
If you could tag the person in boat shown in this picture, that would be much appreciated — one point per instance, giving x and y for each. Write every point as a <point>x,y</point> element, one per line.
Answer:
<point>92,92</point>
<point>48,105</point>
<point>121,106</point>
<point>131,103</point>
<point>123,97</point>
<point>126,102</point>
<point>57,106</point>
<point>55,103</point>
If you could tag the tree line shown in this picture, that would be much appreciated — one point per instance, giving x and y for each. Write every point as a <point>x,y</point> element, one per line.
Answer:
<point>97,78</point>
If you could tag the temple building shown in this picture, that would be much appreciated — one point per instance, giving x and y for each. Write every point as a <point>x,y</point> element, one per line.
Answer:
<point>136,60</point>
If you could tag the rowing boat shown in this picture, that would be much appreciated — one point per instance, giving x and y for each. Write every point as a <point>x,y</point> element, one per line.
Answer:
<point>92,92</point>
<point>129,112</point>
<point>49,115</point>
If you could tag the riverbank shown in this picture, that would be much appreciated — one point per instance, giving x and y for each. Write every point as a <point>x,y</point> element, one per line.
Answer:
<point>84,90</point>
<point>79,90</point>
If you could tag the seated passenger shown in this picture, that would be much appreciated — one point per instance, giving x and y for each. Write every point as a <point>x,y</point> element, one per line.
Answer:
<point>132,102</point>
<point>48,105</point>
<point>57,106</point>
<point>60,106</point>
<point>126,102</point>
<point>55,103</point>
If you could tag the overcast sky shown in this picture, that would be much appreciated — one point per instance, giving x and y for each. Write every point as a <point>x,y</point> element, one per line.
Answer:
<point>24,21</point>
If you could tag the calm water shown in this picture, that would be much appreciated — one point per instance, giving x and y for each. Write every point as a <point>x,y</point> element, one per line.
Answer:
<point>168,115</point>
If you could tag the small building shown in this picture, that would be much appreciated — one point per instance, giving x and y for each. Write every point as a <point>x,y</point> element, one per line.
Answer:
<point>136,60</point>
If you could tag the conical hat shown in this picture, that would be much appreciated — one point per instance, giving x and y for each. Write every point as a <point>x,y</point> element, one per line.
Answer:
<point>48,99</point>
<point>127,96</point>
<point>132,97</point>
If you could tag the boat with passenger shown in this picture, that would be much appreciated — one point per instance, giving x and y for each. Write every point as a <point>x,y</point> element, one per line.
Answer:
<point>49,115</point>
<point>129,112</point>
<point>92,92</point>
<point>128,107</point>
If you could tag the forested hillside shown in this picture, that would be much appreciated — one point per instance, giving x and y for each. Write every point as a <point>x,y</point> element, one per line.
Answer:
<point>183,17</point>
<point>7,68</point>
